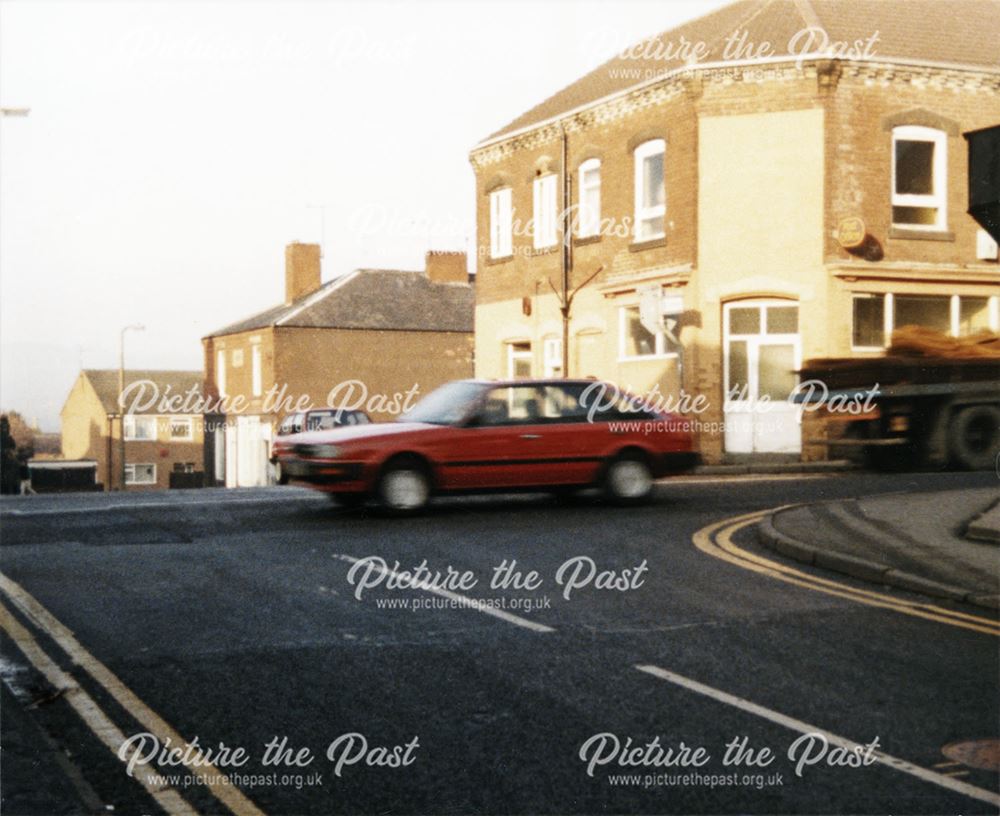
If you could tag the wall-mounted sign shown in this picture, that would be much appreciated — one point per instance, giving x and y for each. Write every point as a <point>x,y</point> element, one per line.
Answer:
<point>851,233</point>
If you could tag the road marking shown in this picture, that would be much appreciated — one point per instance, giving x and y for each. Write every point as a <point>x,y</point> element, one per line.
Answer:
<point>716,540</point>
<point>805,728</point>
<point>92,715</point>
<point>104,508</point>
<point>213,779</point>
<point>464,600</point>
<point>696,478</point>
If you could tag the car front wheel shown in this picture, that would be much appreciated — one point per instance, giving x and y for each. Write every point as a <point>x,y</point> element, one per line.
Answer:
<point>279,474</point>
<point>628,479</point>
<point>404,487</point>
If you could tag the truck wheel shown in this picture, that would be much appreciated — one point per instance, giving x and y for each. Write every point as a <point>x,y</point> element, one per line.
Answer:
<point>974,437</point>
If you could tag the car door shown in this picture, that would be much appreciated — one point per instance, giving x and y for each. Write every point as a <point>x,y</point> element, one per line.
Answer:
<point>569,449</point>
<point>502,445</point>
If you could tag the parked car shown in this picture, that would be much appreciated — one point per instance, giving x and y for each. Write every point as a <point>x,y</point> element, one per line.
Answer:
<point>477,436</point>
<point>316,419</point>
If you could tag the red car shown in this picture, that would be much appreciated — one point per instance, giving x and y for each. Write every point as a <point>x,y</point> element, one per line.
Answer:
<point>315,419</point>
<point>479,436</point>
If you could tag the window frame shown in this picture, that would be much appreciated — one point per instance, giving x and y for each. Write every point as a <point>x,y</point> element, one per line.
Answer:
<point>186,420</point>
<point>514,354</point>
<point>501,222</point>
<point>954,315</point>
<point>131,424</point>
<point>589,222</point>
<point>552,357</point>
<point>886,318</point>
<point>130,468</point>
<point>256,371</point>
<point>938,199</point>
<point>642,214</point>
<point>220,372</point>
<point>544,205</point>
<point>660,353</point>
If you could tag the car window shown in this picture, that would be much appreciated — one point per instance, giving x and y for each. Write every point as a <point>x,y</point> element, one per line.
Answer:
<point>447,405</point>
<point>602,402</point>
<point>512,405</point>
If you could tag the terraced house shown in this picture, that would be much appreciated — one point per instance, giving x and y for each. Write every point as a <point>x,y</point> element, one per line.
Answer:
<point>374,339</point>
<point>794,185</point>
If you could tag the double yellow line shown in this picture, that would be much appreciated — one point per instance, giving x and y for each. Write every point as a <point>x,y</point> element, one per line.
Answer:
<point>717,540</point>
<point>98,721</point>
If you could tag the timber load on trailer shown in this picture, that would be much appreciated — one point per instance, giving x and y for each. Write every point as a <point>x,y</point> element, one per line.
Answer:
<point>930,401</point>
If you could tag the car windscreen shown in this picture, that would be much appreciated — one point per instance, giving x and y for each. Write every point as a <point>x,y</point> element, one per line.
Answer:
<point>325,420</point>
<point>446,405</point>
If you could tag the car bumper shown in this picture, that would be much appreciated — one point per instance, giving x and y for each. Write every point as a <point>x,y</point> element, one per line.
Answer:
<point>347,475</point>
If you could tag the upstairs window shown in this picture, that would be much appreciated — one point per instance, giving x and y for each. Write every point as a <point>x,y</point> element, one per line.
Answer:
<point>140,428</point>
<point>256,385</point>
<point>501,223</point>
<point>544,211</point>
<point>919,178</point>
<point>590,198</point>
<point>650,191</point>
<point>220,372</point>
<point>181,429</point>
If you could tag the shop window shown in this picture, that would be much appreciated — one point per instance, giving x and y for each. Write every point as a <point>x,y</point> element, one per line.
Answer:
<point>922,310</point>
<point>868,323</point>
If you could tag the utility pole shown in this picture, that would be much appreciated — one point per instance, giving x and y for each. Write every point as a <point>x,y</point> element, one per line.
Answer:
<point>121,393</point>
<point>567,251</point>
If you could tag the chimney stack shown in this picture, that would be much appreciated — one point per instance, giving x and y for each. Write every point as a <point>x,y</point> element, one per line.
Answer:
<point>302,270</point>
<point>446,267</point>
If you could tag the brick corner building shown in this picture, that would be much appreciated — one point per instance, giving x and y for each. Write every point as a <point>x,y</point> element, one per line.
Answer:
<point>735,216</point>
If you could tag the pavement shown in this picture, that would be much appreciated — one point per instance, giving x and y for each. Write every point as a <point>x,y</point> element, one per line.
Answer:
<point>943,544</point>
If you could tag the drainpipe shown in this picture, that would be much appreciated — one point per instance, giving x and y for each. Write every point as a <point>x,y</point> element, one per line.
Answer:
<point>567,250</point>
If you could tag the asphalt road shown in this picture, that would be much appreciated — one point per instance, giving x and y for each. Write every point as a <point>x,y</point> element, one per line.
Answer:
<point>234,618</point>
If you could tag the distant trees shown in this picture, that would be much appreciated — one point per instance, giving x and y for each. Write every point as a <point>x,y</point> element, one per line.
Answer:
<point>18,446</point>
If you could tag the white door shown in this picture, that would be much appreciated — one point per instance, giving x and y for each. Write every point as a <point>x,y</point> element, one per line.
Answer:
<point>252,451</point>
<point>761,354</point>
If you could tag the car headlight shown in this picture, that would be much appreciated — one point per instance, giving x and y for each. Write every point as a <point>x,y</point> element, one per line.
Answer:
<point>318,451</point>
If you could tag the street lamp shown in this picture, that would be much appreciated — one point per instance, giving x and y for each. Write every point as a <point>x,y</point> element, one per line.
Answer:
<point>121,392</point>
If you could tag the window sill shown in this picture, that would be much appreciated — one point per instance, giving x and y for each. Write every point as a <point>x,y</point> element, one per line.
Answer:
<point>544,250</point>
<point>652,243</point>
<point>501,260</point>
<point>587,239</point>
<point>904,233</point>
<point>672,355</point>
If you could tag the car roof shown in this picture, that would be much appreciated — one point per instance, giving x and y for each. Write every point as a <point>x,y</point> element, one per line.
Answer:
<point>536,381</point>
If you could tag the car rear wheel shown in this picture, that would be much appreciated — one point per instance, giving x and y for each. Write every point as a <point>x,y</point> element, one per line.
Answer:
<point>975,436</point>
<point>404,487</point>
<point>628,479</point>
<point>279,474</point>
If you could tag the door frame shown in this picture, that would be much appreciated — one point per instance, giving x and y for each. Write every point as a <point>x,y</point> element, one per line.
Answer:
<point>754,342</point>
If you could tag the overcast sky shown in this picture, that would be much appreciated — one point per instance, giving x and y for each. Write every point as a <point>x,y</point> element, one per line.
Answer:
<point>174,148</point>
